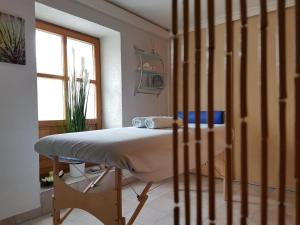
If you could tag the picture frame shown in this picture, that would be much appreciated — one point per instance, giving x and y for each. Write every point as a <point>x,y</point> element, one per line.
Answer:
<point>12,39</point>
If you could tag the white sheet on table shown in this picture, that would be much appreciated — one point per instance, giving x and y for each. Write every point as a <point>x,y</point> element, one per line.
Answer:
<point>146,153</point>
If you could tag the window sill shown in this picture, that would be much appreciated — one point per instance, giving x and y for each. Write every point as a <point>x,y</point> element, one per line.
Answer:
<point>57,123</point>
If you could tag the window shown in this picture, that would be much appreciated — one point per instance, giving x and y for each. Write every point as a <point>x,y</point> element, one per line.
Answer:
<point>55,47</point>
<point>60,52</point>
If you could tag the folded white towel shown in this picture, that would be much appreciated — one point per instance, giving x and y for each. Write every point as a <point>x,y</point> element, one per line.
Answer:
<point>139,122</point>
<point>157,122</point>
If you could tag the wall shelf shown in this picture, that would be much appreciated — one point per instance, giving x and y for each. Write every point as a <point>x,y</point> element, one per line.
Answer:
<point>151,71</point>
<point>147,55</point>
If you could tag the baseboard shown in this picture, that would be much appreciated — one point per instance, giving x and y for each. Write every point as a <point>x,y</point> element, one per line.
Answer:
<point>21,218</point>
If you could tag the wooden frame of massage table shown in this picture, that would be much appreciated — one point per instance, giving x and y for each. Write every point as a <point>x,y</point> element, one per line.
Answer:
<point>105,206</point>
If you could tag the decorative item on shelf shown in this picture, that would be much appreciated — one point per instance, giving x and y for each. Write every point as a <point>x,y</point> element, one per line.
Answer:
<point>157,81</point>
<point>147,66</point>
<point>77,98</point>
<point>12,39</point>
<point>47,181</point>
<point>151,72</point>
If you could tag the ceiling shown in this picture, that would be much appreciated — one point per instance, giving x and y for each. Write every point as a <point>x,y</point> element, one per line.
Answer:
<point>159,11</point>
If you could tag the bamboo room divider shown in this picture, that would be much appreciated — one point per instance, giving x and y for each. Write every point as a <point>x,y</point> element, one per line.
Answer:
<point>282,110</point>
<point>244,112</point>
<point>228,139</point>
<point>297,112</point>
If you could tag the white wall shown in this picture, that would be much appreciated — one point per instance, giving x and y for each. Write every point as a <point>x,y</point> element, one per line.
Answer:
<point>111,81</point>
<point>19,185</point>
<point>141,104</point>
<point>131,105</point>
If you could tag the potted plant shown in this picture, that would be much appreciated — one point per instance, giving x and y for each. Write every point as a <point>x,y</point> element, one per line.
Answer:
<point>76,108</point>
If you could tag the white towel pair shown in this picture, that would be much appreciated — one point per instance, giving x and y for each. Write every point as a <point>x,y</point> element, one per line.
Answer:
<point>154,122</point>
<point>139,122</point>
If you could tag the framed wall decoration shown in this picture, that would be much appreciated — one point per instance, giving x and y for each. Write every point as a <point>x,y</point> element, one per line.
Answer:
<point>12,39</point>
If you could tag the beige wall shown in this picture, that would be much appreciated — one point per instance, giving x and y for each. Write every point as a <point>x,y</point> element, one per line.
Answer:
<point>253,93</point>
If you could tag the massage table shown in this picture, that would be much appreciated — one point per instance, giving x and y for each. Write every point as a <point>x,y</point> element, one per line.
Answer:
<point>145,153</point>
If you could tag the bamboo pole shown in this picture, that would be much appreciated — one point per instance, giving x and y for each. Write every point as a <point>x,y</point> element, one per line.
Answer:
<point>229,106</point>
<point>210,102</point>
<point>264,112</point>
<point>176,215</point>
<point>282,110</point>
<point>297,144</point>
<point>244,112</point>
<point>244,174</point>
<point>175,111</point>
<point>297,112</point>
<point>175,99</point>
<point>198,107</point>
<point>186,110</point>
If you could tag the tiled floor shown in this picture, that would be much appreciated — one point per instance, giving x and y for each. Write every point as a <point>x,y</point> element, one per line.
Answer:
<point>158,209</point>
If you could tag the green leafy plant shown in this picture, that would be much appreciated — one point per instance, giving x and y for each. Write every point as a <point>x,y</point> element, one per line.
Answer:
<point>77,98</point>
<point>12,39</point>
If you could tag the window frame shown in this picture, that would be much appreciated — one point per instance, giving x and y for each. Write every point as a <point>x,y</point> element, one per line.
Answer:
<point>66,33</point>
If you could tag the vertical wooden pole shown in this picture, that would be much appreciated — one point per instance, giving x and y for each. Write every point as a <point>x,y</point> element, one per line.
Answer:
<point>244,112</point>
<point>297,112</point>
<point>264,112</point>
<point>186,110</point>
<point>118,187</point>
<point>210,101</point>
<point>282,110</point>
<point>229,107</point>
<point>55,210</point>
<point>198,108</point>
<point>175,110</point>
<point>175,99</point>
<point>176,215</point>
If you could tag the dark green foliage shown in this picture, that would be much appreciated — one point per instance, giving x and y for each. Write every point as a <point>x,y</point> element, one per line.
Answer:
<point>12,39</point>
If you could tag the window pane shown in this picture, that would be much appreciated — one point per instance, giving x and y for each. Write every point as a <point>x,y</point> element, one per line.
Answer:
<point>49,53</point>
<point>92,105</point>
<point>50,99</point>
<point>78,51</point>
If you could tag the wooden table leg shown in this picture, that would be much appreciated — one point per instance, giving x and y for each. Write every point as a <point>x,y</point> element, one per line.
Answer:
<point>55,210</point>
<point>118,187</point>
<point>142,200</point>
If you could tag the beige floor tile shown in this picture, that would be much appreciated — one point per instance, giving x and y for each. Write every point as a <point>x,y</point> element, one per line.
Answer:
<point>159,207</point>
<point>150,216</point>
<point>289,195</point>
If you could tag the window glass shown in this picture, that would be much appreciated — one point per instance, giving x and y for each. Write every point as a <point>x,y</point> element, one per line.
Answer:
<point>92,105</point>
<point>49,53</point>
<point>51,60</point>
<point>50,99</point>
<point>80,53</point>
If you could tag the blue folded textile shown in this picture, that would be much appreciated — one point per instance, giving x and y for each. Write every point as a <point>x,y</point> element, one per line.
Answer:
<point>218,117</point>
<point>70,160</point>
